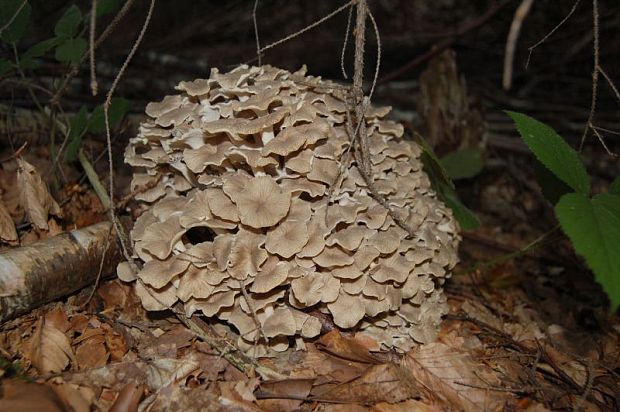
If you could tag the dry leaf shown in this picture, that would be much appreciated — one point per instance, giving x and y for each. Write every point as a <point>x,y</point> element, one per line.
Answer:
<point>379,383</point>
<point>23,396</point>
<point>348,348</point>
<point>283,395</point>
<point>455,378</point>
<point>128,398</point>
<point>34,195</point>
<point>92,353</point>
<point>50,348</point>
<point>75,398</point>
<point>7,226</point>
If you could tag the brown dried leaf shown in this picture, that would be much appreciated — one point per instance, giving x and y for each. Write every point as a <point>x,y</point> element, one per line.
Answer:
<point>128,398</point>
<point>446,373</point>
<point>34,196</point>
<point>7,227</point>
<point>348,348</point>
<point>379,383</point>
<point>23,396</point>
<point>50,349</point>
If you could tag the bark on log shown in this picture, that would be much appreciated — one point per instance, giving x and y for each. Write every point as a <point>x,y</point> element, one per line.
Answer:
<point>33,275</point>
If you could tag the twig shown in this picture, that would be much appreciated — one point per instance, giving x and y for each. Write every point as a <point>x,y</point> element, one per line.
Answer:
<point>226,349</point>
<point>16,154</point>
<point>440,46</point>
<point>595,71</point>
<point>544,356</point>
<point>345,43</point>
<point>544,39</point>
<point>93,178</point>
<point>100,272</point>
<point>378,61</point>
<point>91,42</point>
<point>309,27</point>
<point>74,71</point>
<point>511,42</point>
<point>106,107</point>
<point>254,20</point>
<point>13,17</point>
<point>260,333</point>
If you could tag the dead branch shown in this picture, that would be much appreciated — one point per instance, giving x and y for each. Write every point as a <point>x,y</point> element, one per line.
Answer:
<point>33,275</point>
<point>437,48</point>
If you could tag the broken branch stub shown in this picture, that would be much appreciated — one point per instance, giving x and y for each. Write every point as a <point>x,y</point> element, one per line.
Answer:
<point>244,163</point>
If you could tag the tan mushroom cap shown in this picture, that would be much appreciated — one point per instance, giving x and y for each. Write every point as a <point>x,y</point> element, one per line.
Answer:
<point>302,185</point>
<point>158,273</point>
<point>196,87</point>
<point>194,283</point>
<point>333,256</point>
<point>300,162</point>
<point>324,171</point>
<point>347,310</point>
<point>272,274</point>
<point>246,254</point>
<point>294,138</point>
<point>208,155</point>
<point>235,127</point>
<point>281,322</point>
<point>262,203</point>
<point>168,103</point>
<point>125,272</point>
<point>214,303</point>
<point>156,299</point>
<point>221,205</point>
<point>287,238</point>
<point>349,238</point>
<point>395,268</point>
<point>159,238</point>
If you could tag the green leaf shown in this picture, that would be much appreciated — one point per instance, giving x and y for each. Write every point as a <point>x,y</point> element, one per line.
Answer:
<point>550,185</point>
<point>77,128</point>
<point>466,218</point>
<point>432,162</point>
<point>69,23</point>
<point>463,163</point>
<point>552,151</point>
<point>41,48</point>
<point>614,188</point>
<point>105,7</point>
<point>71,50</point>
<point>16,29</point>
<point>28,59</point>
<point>118,109</point>
<point>444,187</point>
<point>593,225</point>
<point>5,66</point>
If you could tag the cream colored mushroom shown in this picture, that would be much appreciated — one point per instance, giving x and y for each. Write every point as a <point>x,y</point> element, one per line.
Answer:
<point>262,203</point>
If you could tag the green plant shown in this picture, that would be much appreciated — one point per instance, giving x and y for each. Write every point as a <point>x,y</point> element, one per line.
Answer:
<point>592,222</point>
<point>69,47</point>
<point>441,180</point>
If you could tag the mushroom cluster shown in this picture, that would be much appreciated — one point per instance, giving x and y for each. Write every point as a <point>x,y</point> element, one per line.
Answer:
<point>250,218</point>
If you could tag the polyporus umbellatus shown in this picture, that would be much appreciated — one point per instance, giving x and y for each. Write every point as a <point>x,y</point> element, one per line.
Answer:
<point>248,217</point>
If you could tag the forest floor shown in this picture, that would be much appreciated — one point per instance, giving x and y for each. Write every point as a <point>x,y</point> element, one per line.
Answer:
<point>528,333</point>
<point>528,329</point>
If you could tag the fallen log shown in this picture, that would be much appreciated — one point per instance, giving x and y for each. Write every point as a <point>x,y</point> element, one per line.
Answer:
<point>33,275</point>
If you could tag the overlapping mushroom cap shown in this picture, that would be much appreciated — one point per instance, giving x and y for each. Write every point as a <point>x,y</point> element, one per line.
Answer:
<point>235,174</point>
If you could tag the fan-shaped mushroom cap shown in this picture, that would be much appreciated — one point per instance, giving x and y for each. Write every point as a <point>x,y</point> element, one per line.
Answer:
<point>281,322</point>
<point>262,203</point>
<point>287,239</point>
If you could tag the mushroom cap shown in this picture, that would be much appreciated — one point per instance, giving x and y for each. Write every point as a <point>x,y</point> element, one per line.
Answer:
<point>262,203</point>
